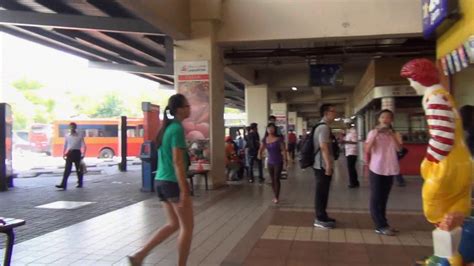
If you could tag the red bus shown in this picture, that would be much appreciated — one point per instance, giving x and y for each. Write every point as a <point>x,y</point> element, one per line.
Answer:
<point>101,136</point>
<point>40,138</point>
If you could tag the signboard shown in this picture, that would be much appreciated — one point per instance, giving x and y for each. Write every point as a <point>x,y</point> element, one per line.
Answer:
<point>325,74</point>
<point>438,16</point>
<point>193,82</point>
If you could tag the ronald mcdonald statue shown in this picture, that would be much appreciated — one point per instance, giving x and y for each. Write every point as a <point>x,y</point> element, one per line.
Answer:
<point>446,169</point>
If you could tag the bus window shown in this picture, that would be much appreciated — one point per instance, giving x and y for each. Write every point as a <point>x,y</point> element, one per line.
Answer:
<point>85,130</point>
<point>131,132</point>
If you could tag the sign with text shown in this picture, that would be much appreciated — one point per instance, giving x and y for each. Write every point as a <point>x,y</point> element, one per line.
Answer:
<point>438,16</point>
<point>193,82</point>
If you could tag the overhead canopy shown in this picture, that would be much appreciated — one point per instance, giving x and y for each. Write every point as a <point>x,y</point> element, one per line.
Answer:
<point>104,32</point>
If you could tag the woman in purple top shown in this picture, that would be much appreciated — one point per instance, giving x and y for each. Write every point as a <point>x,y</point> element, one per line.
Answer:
<point>277,158</point>
<point>381,147</point>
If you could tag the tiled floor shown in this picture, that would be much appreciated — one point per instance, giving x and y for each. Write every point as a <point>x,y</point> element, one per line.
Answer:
<point>240,226</point>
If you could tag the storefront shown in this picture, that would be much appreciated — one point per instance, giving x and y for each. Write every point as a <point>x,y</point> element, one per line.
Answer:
<point>381,87</point>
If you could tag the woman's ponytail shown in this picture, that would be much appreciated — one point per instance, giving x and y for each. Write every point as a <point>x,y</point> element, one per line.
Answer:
<point>166,122</point>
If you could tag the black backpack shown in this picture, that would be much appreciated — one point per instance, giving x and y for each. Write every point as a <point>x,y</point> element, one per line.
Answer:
<point>307,152</point>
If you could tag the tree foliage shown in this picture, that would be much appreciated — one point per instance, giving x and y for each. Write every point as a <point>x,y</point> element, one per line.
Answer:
<point>111,106</point>
<point>43,106</point>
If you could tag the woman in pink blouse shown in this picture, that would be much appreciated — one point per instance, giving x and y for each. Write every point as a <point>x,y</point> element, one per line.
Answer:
<point>381,147</point>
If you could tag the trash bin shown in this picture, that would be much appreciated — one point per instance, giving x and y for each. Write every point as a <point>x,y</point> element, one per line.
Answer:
<point>148,156</point>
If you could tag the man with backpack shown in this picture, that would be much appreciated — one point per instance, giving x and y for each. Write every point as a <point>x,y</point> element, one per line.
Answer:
<point>253,145</point>
<point>323,165</point>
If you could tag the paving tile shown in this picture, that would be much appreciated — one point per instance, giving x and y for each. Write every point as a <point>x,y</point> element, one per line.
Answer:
<point>337,235</point>
<point>320,234</point>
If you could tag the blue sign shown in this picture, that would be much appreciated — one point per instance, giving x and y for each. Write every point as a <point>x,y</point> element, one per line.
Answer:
<point>324,74</point>
<point>438,16</point>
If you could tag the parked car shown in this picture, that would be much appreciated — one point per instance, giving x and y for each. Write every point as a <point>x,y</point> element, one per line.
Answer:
<point>20,144</point>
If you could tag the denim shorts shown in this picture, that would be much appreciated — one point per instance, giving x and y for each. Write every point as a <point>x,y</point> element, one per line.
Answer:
<point>167,190</point>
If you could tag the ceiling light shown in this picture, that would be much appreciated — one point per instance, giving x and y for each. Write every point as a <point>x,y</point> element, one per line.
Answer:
<point>294,88</point>
<point>353,117</point>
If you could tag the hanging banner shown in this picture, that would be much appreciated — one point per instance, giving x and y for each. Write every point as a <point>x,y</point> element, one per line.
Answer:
<point>469,47</point>
<point>456,61</point>
<point>193,82</point>
<point>450,64</point>
<point>463,57</point>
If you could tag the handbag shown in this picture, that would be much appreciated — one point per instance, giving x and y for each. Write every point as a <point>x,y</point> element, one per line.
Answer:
<point>402,152</point>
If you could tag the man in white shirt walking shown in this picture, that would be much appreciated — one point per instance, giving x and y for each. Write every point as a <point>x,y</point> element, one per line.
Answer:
<point>350,147</point>
<point>73,146</point>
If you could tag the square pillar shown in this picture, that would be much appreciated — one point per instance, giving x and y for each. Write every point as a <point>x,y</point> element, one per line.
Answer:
<point>257,106</point>
<point>199,75</point>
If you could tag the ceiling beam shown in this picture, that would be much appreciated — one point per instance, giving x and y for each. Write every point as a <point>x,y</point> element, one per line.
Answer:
<point>131,68</point>
<point>231,86</point>
<point>77,22</point>
<point>233,93</point>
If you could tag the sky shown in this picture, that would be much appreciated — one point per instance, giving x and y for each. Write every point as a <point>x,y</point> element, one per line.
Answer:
<point>60,72</point>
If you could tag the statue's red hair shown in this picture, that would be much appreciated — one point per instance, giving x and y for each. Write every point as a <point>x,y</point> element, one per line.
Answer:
<point>422,70</point>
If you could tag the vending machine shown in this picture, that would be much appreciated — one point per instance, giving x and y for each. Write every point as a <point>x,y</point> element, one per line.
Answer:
<point>6,126</point>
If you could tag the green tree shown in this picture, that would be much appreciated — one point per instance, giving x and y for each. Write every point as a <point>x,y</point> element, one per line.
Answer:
<point>31,90</point>
<point>111,106</point>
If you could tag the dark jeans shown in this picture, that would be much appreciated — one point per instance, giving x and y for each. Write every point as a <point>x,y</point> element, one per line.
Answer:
<point>380,186</point>
<point>291,150</point>
<point>252,159</point>
<point>351,168</point>
<point>321,196</point>
<point>400,179</point>
<point>275,174</point>
<point>73,156</point>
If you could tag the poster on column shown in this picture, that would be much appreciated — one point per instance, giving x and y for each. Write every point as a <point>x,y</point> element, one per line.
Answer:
<point>193,82</point>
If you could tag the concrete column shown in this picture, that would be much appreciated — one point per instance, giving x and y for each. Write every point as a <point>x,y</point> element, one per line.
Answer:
<point>280,111</point>
<point>257,106</point>
<point>201,53</point>
<point>361,133</point>
<point>292,120</point>
<point>299,126</point>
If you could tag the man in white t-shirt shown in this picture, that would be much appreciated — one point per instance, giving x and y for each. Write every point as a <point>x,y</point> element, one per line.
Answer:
<point>74,151</point>
<point>350,147</point>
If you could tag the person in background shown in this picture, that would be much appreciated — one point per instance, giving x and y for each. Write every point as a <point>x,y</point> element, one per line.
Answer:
<point>467,115</point>
<point>272,119</point>
<point>300,142</point>
<point>277,158</point>
<point>239,140</point>
<point>171,185</point>
<point>232,160</point>
<point>350,147</point>
<point>381,147</point>
<point>323,166</point>
<point>292,140</point>
<point>74,151</point>
<point>253,145</point>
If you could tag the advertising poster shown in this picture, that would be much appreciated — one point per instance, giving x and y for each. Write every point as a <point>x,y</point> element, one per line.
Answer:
<point>444,65</point>
<point>193,82</point>
<point>456,62</point>
<point>463,57</point>
<point>450,64</point>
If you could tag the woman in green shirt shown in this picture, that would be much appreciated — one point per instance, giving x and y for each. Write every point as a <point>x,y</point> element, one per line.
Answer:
<point>171,185</point>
